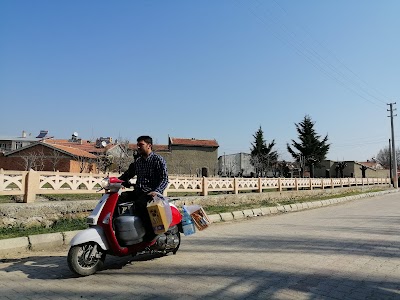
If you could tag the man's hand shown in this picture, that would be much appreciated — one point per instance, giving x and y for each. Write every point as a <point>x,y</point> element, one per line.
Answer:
<point>126,184</point>
<point>152,194</point>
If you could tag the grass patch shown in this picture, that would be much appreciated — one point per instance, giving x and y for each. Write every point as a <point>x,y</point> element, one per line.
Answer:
<point>215,209</point>
<point>61,225</point>
<point>71,197</point>
<point>70,224</point>
<point>52,197</point>
<point>5,199</point>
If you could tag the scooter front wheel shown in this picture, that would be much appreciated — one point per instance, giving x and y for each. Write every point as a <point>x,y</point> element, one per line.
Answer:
<point>86,259</point>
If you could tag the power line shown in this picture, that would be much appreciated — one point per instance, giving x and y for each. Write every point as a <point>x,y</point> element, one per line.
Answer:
<point>366,84</point>
<point>311,55</point>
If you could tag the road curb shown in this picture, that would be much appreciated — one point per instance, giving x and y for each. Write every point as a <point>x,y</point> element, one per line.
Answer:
<point>46,241</point>
<point>14,245</point>
<point>51,240</point>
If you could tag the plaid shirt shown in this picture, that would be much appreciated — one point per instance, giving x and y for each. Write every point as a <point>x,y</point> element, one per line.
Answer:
<point>151,173</point>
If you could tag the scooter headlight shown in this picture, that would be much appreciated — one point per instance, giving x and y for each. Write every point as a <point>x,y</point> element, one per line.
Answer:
<point>105,183</point>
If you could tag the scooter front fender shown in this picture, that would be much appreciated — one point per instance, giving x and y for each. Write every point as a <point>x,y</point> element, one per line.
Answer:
<point>92,234</point>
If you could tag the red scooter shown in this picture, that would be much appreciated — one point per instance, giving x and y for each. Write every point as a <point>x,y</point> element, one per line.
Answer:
<point>115,229</point>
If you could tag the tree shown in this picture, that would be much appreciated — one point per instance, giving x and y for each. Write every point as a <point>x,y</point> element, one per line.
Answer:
<point>33,160</point>
<point>122,160</point>
<point>55,159</point>
<point>311,150</point>
<point>383,157</point>
<point>262,155</point>
<point>340,166</point>
<point>104,162</point>
<point>283,168</point>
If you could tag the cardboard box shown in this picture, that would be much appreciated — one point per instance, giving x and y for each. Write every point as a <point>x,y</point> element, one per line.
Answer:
<point>199,216</point>
<point>158,216</point>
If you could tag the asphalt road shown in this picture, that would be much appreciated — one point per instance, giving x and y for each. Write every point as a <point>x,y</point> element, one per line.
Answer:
<point>345,251</point>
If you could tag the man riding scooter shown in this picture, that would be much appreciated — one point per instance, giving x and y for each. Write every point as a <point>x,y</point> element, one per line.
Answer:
<point>152,179</point>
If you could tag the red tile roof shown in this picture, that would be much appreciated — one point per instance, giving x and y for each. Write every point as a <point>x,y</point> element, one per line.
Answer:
<point>194,142</point>
<point>74,151</point>
<point>161,147</point>
<point>88,146</point>
<point>84,145</point>
<point>155,147</point>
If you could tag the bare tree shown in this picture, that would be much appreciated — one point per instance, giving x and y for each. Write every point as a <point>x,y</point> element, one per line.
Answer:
<point>121,160</point>
<point>33,160</point>
<point>83,162</point>
<point>340,166</point>
<point>383,157</point>
<point>55,159</point>
<point>104,163</point>
<point>230,168</point>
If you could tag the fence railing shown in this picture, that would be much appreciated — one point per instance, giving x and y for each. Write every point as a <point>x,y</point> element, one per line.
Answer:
<point>31,183</point>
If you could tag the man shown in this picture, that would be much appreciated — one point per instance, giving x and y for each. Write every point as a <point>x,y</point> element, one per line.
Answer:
<point>152,178</point>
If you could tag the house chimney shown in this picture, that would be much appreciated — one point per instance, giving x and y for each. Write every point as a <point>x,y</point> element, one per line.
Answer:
<point>23,133</point>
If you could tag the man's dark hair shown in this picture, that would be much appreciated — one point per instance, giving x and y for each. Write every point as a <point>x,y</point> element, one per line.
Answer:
<point>147,139</point>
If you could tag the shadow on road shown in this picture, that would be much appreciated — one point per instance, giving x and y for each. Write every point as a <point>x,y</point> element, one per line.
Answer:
<point>56,267</point>
<point>267,282</point>
<point>263,284</point>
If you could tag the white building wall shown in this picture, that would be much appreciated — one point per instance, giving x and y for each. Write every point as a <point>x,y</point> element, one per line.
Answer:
<point>235,165</point>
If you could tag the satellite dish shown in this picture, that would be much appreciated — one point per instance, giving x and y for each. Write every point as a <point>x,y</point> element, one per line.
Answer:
<point>103,143</point>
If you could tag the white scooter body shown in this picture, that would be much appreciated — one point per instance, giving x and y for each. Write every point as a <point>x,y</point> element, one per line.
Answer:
<point>94,233</point>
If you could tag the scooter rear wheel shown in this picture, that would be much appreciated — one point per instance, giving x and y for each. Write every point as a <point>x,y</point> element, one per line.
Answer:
<point>86,259</point>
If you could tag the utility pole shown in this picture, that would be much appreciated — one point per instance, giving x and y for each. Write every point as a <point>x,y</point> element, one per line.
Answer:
<point>394,160</point>
<point>390,161</point>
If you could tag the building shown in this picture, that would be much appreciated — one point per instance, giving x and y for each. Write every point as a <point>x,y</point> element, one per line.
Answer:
<point>41,156</point>
<point>65,155</point>
<point>109,156</point>
<point>11,143</point>
<point>235,165</point>
<point>330,169</point>
<point>188,157</point>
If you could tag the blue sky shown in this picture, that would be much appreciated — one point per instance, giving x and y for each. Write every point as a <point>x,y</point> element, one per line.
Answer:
<point>210,69</point>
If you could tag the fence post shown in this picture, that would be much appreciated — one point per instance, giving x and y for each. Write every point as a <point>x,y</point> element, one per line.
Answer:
<point>259,185</point>
<point>279,184</point>
<point>204,187</point>
<point>31,186</point>
<point>332,183</point>
<point>322,184</point>
<point>311,187</point>
<point>296,184</point>
<point>235,186</point>
<point>1,180</point>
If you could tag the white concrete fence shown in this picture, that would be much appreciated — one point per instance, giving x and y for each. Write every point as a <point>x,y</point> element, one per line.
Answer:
<point>31,183</point>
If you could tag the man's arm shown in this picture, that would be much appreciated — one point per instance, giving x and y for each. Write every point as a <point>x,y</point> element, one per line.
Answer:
<point>128,174</point>
<point>162,166</point>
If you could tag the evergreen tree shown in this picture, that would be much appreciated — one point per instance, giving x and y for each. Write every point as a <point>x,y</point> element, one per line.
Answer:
<point>262,155</point>
<point>310,149</point>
